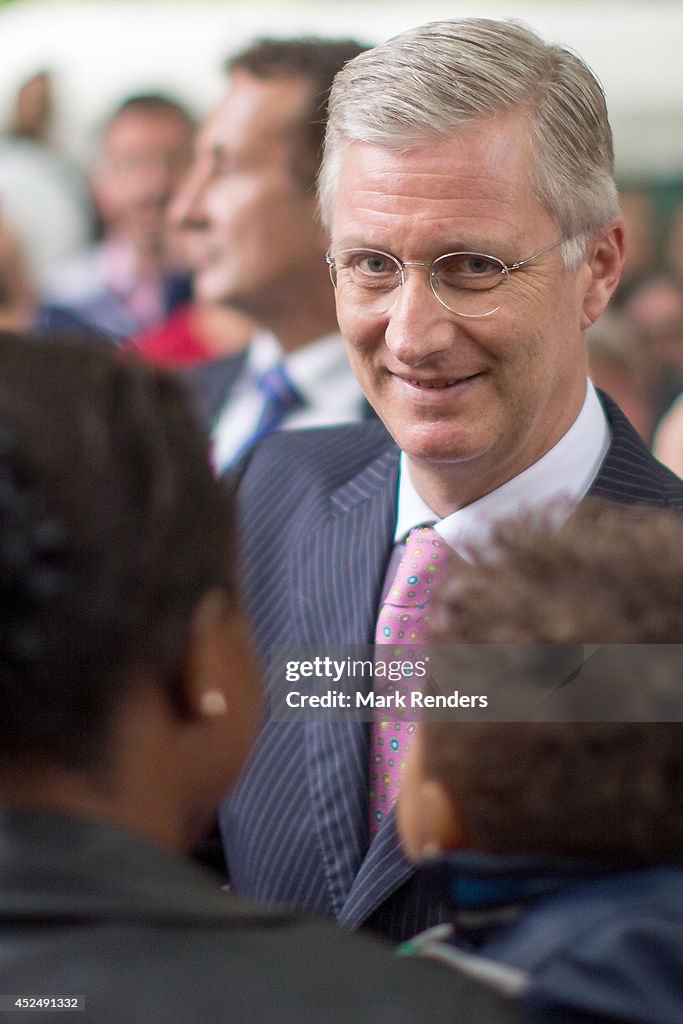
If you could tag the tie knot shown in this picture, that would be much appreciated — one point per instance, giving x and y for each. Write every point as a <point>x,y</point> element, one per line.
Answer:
<point>425,556</point>
<point>278,390</point>
<point>280,397</point>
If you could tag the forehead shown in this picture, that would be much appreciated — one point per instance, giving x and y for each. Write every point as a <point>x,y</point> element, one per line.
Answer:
<point>472,186</point>
<point>147,128</point>
<point>256,112</point>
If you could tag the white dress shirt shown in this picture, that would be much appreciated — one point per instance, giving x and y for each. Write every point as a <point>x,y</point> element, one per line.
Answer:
<point>321,374</point>
<point>563,474</point>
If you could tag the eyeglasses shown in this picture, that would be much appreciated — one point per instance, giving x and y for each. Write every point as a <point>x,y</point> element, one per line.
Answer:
<point>463,282</point>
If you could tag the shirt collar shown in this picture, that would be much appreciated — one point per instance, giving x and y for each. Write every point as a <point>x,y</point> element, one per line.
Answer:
<point>563,473</point>
<point>121,265</point>
<point>263,353</point>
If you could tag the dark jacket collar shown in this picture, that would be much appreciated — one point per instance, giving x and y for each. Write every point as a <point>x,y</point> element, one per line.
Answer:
<point>54,867</point>
<point>483,891</point>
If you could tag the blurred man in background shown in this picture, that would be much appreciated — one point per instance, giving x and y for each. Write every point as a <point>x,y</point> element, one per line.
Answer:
<point>128,282</point>
<point>249,206</point>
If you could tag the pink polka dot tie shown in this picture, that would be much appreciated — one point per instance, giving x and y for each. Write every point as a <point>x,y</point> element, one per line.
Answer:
<point>403,620</point>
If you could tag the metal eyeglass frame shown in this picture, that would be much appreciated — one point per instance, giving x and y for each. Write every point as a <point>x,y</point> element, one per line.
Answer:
<point>506,269</point>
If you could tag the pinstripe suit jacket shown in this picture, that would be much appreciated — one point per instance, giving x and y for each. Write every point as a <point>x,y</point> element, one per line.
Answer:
<point>318,511</point>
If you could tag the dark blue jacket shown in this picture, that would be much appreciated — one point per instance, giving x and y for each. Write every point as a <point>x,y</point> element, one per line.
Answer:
<point>577,941</point>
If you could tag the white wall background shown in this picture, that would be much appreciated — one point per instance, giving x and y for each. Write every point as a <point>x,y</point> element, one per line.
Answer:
<point>102,50</point>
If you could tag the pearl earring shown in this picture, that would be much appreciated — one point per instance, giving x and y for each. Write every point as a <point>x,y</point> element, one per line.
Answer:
<point>213,703</point>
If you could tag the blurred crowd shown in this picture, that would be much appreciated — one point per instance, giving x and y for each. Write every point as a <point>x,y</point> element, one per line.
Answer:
<point>94,249</point>
<point>91,249</point>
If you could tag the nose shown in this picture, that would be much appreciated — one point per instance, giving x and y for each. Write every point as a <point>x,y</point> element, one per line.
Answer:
<point>187,206</point>
<point>152,178</point>
<point>417,326</point>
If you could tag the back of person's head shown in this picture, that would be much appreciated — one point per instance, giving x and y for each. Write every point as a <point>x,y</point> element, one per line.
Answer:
<point>314,59</point>
<point>609,576</point>
<point>33,107</point>
<point>113,533</point>
<point>431,81</point>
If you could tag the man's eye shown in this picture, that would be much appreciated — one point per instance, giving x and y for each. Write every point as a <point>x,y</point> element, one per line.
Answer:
<point>370,264</point>
<point>468,270</point>
<point>478,265</point>
<point>222,162</point>
<point>376,264</point>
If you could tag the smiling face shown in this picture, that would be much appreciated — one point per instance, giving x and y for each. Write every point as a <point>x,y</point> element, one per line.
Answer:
<point>472,401</point>
<point>251,226</point>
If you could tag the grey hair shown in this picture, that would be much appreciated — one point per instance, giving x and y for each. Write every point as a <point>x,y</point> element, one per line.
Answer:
<point>431,80</point>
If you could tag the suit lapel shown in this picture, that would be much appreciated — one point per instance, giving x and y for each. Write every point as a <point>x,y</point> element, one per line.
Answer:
<point>629,474</point>
<point>337,575</point>
<point>382,872</point>
<point>337,578</point>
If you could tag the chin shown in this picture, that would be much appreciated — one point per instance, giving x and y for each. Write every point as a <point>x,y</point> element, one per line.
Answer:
<point>210,291</point>
<point>437,448</point>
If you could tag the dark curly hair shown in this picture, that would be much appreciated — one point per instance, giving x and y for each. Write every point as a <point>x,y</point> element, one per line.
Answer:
<point>111,529</point>
<point>611,576</point>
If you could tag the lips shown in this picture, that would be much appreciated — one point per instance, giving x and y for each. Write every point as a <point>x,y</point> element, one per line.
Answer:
<point>200,258</point>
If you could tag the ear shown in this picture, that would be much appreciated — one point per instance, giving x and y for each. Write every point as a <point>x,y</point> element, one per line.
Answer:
<point>205,689</point>
<point>444,829</point>
<point>220,706</point>
<point>427,820</point>
<point>604,263</point>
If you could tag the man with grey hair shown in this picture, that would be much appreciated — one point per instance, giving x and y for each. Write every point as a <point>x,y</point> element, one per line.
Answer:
<point>475,236</point>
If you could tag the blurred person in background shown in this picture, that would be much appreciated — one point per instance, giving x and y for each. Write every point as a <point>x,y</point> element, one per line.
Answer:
<point>662,306</point>
<point>620,364</point>
<point>638,210</point>
<point>130,280</point>
<point>44,193</point>
<point>129,700</point>
<point>674,242</point>
<point>194,333</point>
<point>249,212</point>
<point>652,302</point>
<point>31,116</point>
<point>668,440</point>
